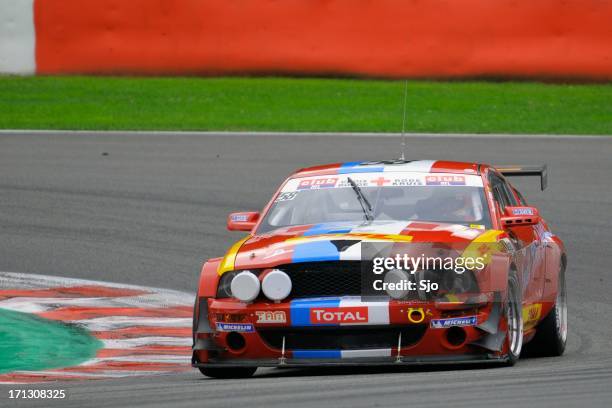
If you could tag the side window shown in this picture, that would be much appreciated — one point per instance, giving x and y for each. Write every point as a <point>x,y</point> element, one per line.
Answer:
<point>509,192</point>
<point>522,200</point>
<point>500,192</point>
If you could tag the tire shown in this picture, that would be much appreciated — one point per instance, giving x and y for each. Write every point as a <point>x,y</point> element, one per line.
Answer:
<point>194,323</point>
<point>513,311</point>
<point>551,334</point>
<point>229,372</point>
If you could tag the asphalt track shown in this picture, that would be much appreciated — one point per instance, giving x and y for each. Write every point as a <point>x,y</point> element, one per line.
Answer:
<point>148,209</point>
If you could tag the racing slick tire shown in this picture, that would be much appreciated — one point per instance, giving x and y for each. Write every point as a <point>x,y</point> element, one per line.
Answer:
<point>229,372</point>
<point>551,334</point>
<point>194,323</point>
<point>514,318</point>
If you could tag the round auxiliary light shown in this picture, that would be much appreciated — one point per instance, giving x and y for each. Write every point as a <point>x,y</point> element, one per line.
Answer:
<point>276,285</point>
<point>245,286</point>
<point>397,277</point>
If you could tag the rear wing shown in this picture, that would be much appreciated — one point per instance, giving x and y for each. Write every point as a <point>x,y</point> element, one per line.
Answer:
<point>518,170</point>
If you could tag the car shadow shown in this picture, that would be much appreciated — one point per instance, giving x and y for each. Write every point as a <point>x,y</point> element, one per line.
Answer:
<point>355,370</point>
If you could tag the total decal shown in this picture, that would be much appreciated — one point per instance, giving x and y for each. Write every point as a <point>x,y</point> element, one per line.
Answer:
<point>454,321</point>
<point>271,317</point>
<point>337,315</point>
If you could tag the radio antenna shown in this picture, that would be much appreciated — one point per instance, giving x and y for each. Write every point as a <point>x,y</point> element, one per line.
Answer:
<point>403,156</point>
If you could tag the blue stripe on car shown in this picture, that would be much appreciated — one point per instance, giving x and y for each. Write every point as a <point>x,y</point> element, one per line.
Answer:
<point>315,251</point>
<point>300,309</point>
<point>327,228</point>
<point>317,354</point>
<point>356,167</point>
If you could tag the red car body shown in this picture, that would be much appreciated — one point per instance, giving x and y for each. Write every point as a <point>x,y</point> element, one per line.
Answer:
<point>232,337</point>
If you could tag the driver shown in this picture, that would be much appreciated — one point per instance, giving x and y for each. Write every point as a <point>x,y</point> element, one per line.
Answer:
<point>446,204</point>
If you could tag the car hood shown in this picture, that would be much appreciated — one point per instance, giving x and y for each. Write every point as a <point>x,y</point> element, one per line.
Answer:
<point>340,241</point>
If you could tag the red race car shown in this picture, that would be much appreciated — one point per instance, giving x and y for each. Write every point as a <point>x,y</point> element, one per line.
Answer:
<point>393,262</point>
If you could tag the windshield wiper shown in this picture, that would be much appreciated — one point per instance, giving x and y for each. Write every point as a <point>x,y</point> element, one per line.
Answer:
<point>365,204</point>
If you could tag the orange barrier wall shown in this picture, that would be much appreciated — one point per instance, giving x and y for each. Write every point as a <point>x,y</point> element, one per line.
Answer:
<point>388,38</point>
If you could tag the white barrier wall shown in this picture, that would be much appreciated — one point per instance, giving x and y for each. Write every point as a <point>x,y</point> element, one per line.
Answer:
<point>17,37</point>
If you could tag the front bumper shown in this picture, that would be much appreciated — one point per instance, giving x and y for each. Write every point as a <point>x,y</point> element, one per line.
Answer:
<point>356,332</point>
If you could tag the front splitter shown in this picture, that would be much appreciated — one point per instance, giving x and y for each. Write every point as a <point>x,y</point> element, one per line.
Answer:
<point>394,361</point>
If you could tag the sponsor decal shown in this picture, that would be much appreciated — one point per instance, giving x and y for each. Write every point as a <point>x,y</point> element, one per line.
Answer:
<point>380,181</point>
<point>532,312</point>
<point>235,327</point>
<point>358,181</point>
<point>337,315</point>
<point>369,178</point>
<point>454,321</point>
<point>449,180</point>
<point>477,226</point>
<point>314,184</point>
<point>271,317</point>
<point>407,182</point>
<point>522,211</point>
<point>240,218</point>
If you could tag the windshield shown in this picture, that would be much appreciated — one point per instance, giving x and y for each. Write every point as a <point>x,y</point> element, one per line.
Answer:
<point>397,196</point>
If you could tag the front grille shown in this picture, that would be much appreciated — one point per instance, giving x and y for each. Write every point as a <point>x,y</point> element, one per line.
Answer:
<point>312,279</point>
<point>342,338</point>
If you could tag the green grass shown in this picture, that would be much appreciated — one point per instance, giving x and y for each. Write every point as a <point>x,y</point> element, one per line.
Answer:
<point>285,104</point>
<point>29,342</point>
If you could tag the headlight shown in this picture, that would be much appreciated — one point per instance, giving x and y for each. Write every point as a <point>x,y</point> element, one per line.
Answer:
<point>455,283</point>
<point>449,283</point>
<point>276,285</point>
<point>245,286</point>
<point>399,278</point>
<point>224,289</point>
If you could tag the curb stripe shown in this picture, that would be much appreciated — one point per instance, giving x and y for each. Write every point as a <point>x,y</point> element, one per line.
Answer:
<point>144,331</point>
<point>146,341</point>
<point>120,322</point>
<point>139,331</point>
<point>79,313</point>
<point>77,292</point>
<point>156,349</point>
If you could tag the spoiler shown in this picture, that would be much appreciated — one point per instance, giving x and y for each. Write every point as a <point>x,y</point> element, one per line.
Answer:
<point>518,170</point>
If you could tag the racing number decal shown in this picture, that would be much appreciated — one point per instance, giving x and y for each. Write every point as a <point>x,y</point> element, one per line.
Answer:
<point>287,196</point>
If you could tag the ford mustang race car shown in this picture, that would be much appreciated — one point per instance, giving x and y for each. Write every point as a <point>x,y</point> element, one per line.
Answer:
<point>336,271</point>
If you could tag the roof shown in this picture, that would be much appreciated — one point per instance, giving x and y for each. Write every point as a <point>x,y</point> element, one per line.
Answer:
<point>423,166</point>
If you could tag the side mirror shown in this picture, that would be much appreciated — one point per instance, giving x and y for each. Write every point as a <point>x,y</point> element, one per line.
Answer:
<point>520,216</point>
<point>242,221</point>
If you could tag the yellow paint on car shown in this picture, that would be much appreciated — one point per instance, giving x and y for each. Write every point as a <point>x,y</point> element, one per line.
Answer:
<point>227,264</point>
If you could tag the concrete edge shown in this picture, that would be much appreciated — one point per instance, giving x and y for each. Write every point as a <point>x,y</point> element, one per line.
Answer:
<point>296,134</point>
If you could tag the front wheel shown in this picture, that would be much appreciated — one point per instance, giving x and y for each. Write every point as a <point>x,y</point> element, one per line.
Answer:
<point>514,318</point>
<point>229,372</point>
